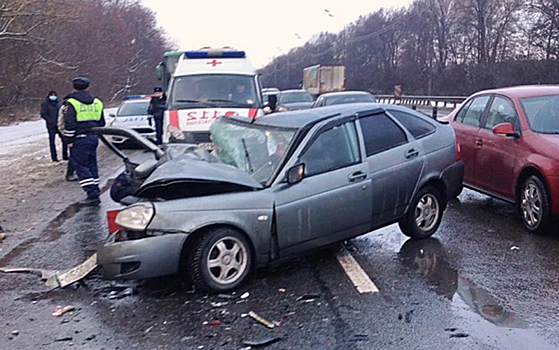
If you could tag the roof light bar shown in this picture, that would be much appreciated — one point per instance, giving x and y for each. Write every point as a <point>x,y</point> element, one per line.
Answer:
<point>215,54</point>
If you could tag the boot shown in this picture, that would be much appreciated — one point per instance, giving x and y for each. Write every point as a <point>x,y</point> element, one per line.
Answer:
<point>90,202</point>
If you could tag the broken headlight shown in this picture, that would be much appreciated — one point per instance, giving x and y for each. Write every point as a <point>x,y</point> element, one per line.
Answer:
<point>135,217</point>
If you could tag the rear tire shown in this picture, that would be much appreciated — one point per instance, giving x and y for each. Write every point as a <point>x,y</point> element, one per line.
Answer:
<point>534,205</point>
<point>424,214</point>
<point>220,260</point>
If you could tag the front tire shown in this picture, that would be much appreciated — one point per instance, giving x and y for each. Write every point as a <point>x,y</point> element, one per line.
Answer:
<point>534,205</point>
<point>424,214</point>
<point>220,260</point>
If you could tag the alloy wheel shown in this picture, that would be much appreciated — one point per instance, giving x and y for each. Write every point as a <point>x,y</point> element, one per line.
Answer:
<point>427,212</point>
<point>531,204</point>
<point>227,260</point>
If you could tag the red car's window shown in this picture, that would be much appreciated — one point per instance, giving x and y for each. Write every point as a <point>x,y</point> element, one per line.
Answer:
<point>502,111</point>
<point>542,113</point>
<point>472,115</point>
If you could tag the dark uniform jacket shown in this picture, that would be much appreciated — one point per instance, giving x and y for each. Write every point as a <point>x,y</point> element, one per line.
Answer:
<point>72,127</point>
<point>49,112</point>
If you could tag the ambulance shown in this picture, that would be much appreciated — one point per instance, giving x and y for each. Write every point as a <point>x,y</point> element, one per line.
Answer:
<point>204,85</point>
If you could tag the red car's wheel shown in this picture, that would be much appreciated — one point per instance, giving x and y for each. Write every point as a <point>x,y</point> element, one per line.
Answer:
<point>534,203</point>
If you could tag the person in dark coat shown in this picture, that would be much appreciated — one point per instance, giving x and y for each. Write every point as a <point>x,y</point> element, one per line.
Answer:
<point>49,112</point>
<point>83,112</point>
<point>156,109</point>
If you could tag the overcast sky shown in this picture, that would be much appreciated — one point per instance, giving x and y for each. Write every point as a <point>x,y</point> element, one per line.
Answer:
<point>263,29</point>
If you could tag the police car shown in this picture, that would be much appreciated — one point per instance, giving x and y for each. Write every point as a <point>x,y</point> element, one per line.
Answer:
<point>133,114</point>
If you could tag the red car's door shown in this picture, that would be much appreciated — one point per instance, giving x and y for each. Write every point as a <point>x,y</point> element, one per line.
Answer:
<point>467,125</point>
<point>495,155</point>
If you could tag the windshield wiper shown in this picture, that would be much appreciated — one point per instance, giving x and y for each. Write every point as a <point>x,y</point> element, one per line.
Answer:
<point>191,101</point>
<point>247,155</point>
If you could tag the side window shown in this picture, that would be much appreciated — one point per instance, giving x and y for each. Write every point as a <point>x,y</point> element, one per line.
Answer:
<point>381,133</point>
<point>416,126</point>
<point>502,111</point>
<point>460,116</point>
<point>334,149</point>
<point>475,110</point>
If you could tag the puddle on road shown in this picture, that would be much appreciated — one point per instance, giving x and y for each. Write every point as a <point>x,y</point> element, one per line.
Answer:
<point>483,313</point>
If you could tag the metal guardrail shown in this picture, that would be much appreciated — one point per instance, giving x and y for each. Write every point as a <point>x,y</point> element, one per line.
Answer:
<point>424,102</point>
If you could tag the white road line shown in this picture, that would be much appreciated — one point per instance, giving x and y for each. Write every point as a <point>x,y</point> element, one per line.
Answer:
<point>355,272</point>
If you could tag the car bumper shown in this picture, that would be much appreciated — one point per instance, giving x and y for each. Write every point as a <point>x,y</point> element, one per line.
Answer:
<point>453,177</point>
<point>120,139</point>
<point>142,258</point>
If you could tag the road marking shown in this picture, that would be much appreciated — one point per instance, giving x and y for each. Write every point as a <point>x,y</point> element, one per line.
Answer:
<point>355,272</point>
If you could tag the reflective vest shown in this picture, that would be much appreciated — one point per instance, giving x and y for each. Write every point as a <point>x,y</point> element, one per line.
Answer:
<point>86,112</point>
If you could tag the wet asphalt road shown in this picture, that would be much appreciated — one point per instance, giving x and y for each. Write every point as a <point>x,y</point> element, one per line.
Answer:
<point>481,282</point>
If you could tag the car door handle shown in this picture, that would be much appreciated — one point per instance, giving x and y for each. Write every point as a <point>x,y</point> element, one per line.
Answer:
<point>412,153</point>
<point>358,175</point>
<point>479,143</point>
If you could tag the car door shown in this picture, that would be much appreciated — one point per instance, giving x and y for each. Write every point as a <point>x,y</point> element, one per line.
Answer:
<point>467,126</point>
<point>394,164</point>
<point>333,200</point>
<point>495,155</point>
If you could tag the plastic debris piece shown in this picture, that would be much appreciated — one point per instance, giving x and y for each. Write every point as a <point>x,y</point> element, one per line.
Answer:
<point>214,323</point>
<point>245,295</point>
<point>514,248</point>
<point>265,322</point>
<point>459,335</point>
<point>218,304</point>
<point>148,329</point>
<point>357,337</point>
<point>225,296</point>
<point>59,310</point>
<point>262,341</point>
<point>63,279</point>
<point>307,298</point>
<point>64,339</point>
<point>2,234</point>
<point>16,332</point>
<point>282,290</point>
<point>244,315</point>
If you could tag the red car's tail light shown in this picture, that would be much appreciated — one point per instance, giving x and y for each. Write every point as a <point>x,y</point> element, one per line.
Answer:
<point>458,151</point>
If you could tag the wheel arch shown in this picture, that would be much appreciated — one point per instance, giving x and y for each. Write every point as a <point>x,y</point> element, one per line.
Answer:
<point>440,185</point>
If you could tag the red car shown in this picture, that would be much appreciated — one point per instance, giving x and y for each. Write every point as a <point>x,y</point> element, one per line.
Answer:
<point>510,148</point>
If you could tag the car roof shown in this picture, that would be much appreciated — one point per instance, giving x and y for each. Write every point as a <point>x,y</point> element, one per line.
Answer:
<point>524,91</point>
<point>309,117</point>
<point>342,93</point>
<point>293,90</point>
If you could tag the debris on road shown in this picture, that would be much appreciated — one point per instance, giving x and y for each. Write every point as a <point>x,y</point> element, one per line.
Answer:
<point>225,296</point>
<point>63,279</point>
<point>459,335</point>
<point>245,295</point>
<point>307,298</point>
<point>450,329</point>
<point>59,310</point>
<point>282,290</point>
<point>514,248</point>
<point>63,339</point>
<point>2,234</point>
<point>408,316</point>
<point>214,323</point>
<point>16,332</point>
<point>357,337</point>
<point>43,274</point>
<point>265,322</point>
<point>262,341</point>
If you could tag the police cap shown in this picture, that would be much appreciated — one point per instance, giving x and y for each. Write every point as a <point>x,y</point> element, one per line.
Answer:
<point>80,83</point>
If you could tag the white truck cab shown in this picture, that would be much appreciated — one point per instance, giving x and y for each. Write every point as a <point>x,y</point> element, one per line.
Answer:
<point>205,85</point>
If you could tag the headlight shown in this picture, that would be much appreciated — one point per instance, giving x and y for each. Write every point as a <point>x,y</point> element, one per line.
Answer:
<point>135,217</point>
<point>175,133</point>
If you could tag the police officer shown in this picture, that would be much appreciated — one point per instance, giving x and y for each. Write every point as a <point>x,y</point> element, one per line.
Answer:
<point>82,112</point>
<point>156,108</point>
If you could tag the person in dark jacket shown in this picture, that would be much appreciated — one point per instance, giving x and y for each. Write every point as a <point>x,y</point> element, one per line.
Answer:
<point>82,112</point>
<point>49,112</point>
<point>157,108</point>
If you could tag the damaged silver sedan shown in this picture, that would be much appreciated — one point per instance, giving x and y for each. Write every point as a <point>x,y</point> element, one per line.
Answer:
<point>276,187</point>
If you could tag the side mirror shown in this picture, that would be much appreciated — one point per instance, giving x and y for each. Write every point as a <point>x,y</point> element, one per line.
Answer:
<point>505,129</point>
<point>272,102</point>
<point>295,174</point>
<point>159,71</point>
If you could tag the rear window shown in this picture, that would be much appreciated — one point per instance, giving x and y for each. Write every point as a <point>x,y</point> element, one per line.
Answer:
<point>133,108</point>
<point>294,97</point>
<point>416,126</point>
<point>542,113</point>
<point>343,99</point>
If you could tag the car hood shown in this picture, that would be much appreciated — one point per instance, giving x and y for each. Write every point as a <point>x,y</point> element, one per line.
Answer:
<point>186,176</point>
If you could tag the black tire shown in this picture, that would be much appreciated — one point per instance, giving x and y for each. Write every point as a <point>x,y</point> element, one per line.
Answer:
<point>534,205</point>
<point>236,266</point>
<point>427,226</point>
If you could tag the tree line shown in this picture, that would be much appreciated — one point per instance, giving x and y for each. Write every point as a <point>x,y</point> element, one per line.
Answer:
<point>44,44</point>
<point>435,47</point>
